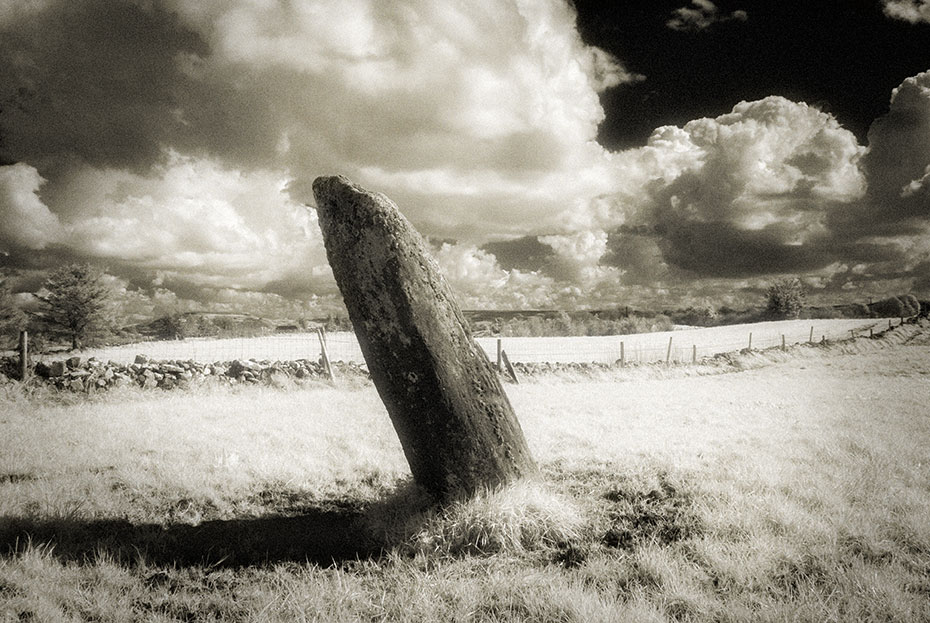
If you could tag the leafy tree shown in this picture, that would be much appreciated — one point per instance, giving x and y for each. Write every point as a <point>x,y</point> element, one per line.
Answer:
<point>700,316</point>
<point>785,298</point>
<point>171,326</point>
<point>895,307</point>
<point>12,319</point>
<point>76,303</point>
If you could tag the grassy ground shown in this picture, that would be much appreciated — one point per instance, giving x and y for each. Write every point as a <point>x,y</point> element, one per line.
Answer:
<point>642,347</point>
<point>795,491</point>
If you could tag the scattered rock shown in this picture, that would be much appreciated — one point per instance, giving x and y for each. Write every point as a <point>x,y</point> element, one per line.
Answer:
<point>93,374</point>
<point>43,370</point>
<point>239,366</point>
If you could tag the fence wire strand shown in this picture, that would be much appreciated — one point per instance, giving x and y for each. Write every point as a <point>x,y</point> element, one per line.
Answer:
<point>686,344</point>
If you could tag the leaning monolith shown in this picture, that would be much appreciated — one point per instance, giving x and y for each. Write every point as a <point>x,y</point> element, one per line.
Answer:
<point>455,423</point>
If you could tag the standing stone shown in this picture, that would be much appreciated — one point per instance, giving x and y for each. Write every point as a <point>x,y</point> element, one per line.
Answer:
<point>455,423</point>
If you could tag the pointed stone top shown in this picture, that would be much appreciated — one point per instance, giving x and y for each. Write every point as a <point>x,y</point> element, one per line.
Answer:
<point>337,194</point>
<point>329,183</point>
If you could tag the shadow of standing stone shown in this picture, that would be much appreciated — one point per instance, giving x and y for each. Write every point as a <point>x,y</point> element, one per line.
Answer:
<point>455,423</point>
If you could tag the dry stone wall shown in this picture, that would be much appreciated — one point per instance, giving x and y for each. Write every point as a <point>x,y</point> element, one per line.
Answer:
<point>79,375</point>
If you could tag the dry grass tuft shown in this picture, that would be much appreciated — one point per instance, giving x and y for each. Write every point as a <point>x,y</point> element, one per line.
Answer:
<point>516,518</point>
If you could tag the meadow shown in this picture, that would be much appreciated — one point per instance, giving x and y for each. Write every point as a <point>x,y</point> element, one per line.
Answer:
<point>797,489</point>
<point>642,347</point>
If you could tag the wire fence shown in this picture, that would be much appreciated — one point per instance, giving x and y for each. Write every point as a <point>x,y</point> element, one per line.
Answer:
<point>673,346</point>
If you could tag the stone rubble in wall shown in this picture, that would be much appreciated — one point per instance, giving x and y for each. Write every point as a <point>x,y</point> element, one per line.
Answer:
<point>78,375</point>
<point>91,375</point>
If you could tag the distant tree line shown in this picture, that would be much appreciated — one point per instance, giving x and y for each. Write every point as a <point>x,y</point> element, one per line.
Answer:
<point>565,324</point>
<point>76,308</point>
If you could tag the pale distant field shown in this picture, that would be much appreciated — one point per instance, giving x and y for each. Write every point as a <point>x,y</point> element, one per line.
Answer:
<point>797,491</point>
<point>644,347</point>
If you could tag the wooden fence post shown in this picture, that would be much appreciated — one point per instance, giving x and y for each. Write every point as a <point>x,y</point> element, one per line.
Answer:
<point>783,347</point>
<point>694,353</point>
<point>750,341</point>
<point>23,355</point>
<point>668,353</point>
<point>500,355</point>
<point>870,331</point>
<point>622,355</point>
<point>889,323</point>
<point>811,338</point>
<point>324,356</point>
<point>510,370</point>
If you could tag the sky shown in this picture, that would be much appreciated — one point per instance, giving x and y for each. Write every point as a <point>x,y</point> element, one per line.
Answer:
<point>555,155</point>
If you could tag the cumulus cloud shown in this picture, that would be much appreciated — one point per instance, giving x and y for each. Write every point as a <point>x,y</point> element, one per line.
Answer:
<point>912,11</point>
<point>747,192</point>
<point>568,257</point>
<point>700,16</point>
<point>481,283</point>
<point>196,219</point>
<point>27,222</point>
<point>430,103</point>
<point>777,187</point>
<point>891,221</point>
<point>150,119</point>
<point>920,185</point>
<point>178,141</point>
<point>897,159</point>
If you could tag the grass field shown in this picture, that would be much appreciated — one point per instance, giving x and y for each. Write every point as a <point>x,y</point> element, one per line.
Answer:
<point>642,347</point>
<point>795,491</point>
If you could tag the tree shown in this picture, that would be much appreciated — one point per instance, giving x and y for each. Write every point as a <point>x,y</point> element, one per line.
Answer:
<point>785,298</point>
<point>12,319</point>
<point>170,327</point>
<point>75,304</point>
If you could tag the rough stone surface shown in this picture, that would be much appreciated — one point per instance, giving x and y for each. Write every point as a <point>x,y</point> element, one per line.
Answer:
<point>455,423</point>
<point>94,374</point>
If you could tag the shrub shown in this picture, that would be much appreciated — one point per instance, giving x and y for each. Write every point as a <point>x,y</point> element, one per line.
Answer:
<point>911,304</point>
<point>700,316</point>
<point>170,327</point>
<point>891,307</point>
<point>785,298</point>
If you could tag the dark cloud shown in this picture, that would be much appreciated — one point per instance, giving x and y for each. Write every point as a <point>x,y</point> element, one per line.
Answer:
<point>636,251</point>
<point>701,15</point>
<point>897,163</point>
<point>526,253</point>
<point>95,80</point>
<point>174,142</point>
